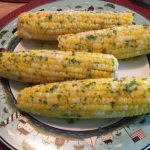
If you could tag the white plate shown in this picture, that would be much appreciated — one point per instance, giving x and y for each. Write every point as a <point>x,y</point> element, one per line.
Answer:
<point>138,66</point>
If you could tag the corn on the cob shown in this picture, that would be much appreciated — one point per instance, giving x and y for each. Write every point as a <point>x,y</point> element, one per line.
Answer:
<point>47,25</point>
<point>48,66</point>
<point>88,99</point>
<point>122,42</point>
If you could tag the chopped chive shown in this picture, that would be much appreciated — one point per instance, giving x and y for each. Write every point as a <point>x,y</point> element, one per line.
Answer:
<point>89,49</point>
<point>91,37</point>
<point>127,43</point>
<point>64,66</point>
<point>55,106</point>
<point>37,90</point>
<point>131,86</point>
<point>73,53</point>
<point>53,88</point>
<point>133,23</point>
<point>50,17</point>
<point>59,96</point>
<point>73,61</point>
<point>46,59</point>
<point>45,102</point>
<point>112,104</point>
<point>114,31</point>
<point>104,51</point>
<point>146,26</point>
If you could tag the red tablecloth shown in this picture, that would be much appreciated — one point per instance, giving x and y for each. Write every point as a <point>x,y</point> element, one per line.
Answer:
<point>3,147</point>
<point>16,1</point>
<point>145,11</point>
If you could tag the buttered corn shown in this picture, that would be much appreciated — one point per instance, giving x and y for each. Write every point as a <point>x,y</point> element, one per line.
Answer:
<point>88,99</point>
<point>41,66</point>
<point>47,25</point>
<point>122,42</point>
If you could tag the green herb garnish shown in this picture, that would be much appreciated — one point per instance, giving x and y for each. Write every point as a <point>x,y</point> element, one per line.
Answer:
<point>91,37</point>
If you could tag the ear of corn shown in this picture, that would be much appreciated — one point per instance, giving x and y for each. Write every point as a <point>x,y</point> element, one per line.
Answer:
<point>122,42</point>
<point>48,66</point>
<point>88,99</point>
<point>47,25</point>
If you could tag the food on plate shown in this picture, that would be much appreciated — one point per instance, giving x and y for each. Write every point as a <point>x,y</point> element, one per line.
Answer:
<point>41,66</point>
<point>88,99</point>
<point>122,41</point>
<point>47,25</point>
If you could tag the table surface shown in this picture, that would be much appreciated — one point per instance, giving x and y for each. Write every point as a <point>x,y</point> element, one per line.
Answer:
<point>6,8</point>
